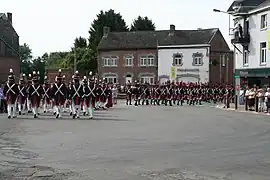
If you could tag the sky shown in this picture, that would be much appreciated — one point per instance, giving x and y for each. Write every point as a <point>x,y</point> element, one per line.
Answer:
<point>52,25</point>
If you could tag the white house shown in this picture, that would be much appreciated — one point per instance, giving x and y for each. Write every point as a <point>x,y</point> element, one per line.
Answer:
<point>251,39</point>
<point>187,63</point>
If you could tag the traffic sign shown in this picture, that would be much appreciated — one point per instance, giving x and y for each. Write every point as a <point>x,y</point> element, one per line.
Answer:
<point>236,76</point>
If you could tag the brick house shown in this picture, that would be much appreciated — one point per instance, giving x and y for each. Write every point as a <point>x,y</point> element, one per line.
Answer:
<point>129,56</point>
<point>9,47</point>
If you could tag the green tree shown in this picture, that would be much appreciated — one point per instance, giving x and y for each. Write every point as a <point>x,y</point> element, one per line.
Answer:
<point>80,42</point>
<point>26,58</point>
<point>38,64</point>
<point>110,19</point>
<point>142,24</point>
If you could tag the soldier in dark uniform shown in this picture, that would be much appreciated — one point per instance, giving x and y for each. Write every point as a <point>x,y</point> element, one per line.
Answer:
<point>59,94</point>
<point>128,94</point>
<point>35,93</point>
<point>11,91</point>
<point>29,84</point>
<point>157,93</point>
<point>21,100</point>
<point>88,96</point>
<point>146,94</point>
<point>76,95</point>
<point>46,96</point>
<point>103,96</point>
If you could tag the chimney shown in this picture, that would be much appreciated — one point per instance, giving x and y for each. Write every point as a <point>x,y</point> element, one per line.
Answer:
<point>9,16</point>
<point>172,29</point>
<point>106,31</point>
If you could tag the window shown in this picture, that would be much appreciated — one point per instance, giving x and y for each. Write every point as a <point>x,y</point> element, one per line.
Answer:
<point>151,60</point>
<point>110,79</point>
<point>245,58</point>
<point>113,61</point>
<point>128,60</point>
<point>110,61</point>
<point>198,61</point>
<point>264,21</point>
<point>263,51</point>
<point>147,60</point>
<point>143,60</point>
<point>177,59</point>
<point>147,79</point>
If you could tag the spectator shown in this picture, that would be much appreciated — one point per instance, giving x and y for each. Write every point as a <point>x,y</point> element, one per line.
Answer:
<point>2,99</point>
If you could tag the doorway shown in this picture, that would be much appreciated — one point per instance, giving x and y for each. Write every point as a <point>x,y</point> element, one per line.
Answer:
<point>128,78</point>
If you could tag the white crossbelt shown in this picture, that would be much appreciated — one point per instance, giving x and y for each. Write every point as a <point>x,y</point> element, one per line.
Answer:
<point>10,88</point>
<point>35,90</point>
<point>46,92</point>
<point>76,91</point>
<point>21,90</point>
<point>58,89</point>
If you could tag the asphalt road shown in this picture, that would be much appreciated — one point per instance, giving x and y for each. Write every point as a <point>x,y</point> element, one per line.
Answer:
<point>138,143</point>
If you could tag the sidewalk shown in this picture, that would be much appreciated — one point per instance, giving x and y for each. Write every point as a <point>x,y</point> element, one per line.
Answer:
<point>241,108</point>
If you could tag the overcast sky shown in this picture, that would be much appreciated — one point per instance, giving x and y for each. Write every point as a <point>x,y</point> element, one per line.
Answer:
<point>52,25</point>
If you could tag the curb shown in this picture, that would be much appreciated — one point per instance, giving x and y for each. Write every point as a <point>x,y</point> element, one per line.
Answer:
<point>241,111</point>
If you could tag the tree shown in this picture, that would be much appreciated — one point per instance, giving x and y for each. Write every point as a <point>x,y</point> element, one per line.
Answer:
<point>142,24</point>
<point>26,58</point>
<point>38,64</point>
<point>110,19</point>
<point>80,42</point>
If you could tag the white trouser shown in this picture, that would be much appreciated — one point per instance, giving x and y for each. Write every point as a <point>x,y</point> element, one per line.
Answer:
<point>21,107</point>
<point>84,107</point>
<point>70,108</point>
<point>58,110</point>
<point>28,104</point>
<point>35,110</point>
<point>90,111</point>
<point>11,110</point>
<point>98,104</point>
<point>45,106</point>
<point>76,109</point>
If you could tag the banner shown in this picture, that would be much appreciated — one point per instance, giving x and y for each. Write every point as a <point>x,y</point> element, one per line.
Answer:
<point>173,73</point>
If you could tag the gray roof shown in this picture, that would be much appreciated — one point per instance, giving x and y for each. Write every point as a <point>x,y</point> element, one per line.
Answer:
<point>150,39</point>
<point>264,4</point>
<point>247,5</point>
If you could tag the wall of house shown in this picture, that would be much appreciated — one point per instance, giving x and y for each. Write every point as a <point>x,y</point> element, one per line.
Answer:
<point>121,71</point>
<point>221,66</point>
<point>256,37</point>
<point>187,72</point>
<point>6,64</point>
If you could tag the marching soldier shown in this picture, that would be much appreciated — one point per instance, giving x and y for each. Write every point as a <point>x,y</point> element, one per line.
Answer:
<point>46,95</point>
<point>28,102</point>
<point>59,94</point>
<point>88,97</point>
<point>103,96</point>
<point>128,94</point>
<point>22,97</point>
<point>35,94</point>
<point>76,95</point>
<point>11,92</point>
<point>109,102</point>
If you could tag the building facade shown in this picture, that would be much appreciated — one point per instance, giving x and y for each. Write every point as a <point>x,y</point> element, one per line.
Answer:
<point>9,47</point>
<point>187,64</point>
<point>150,56</point>
<point>251,39</point>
